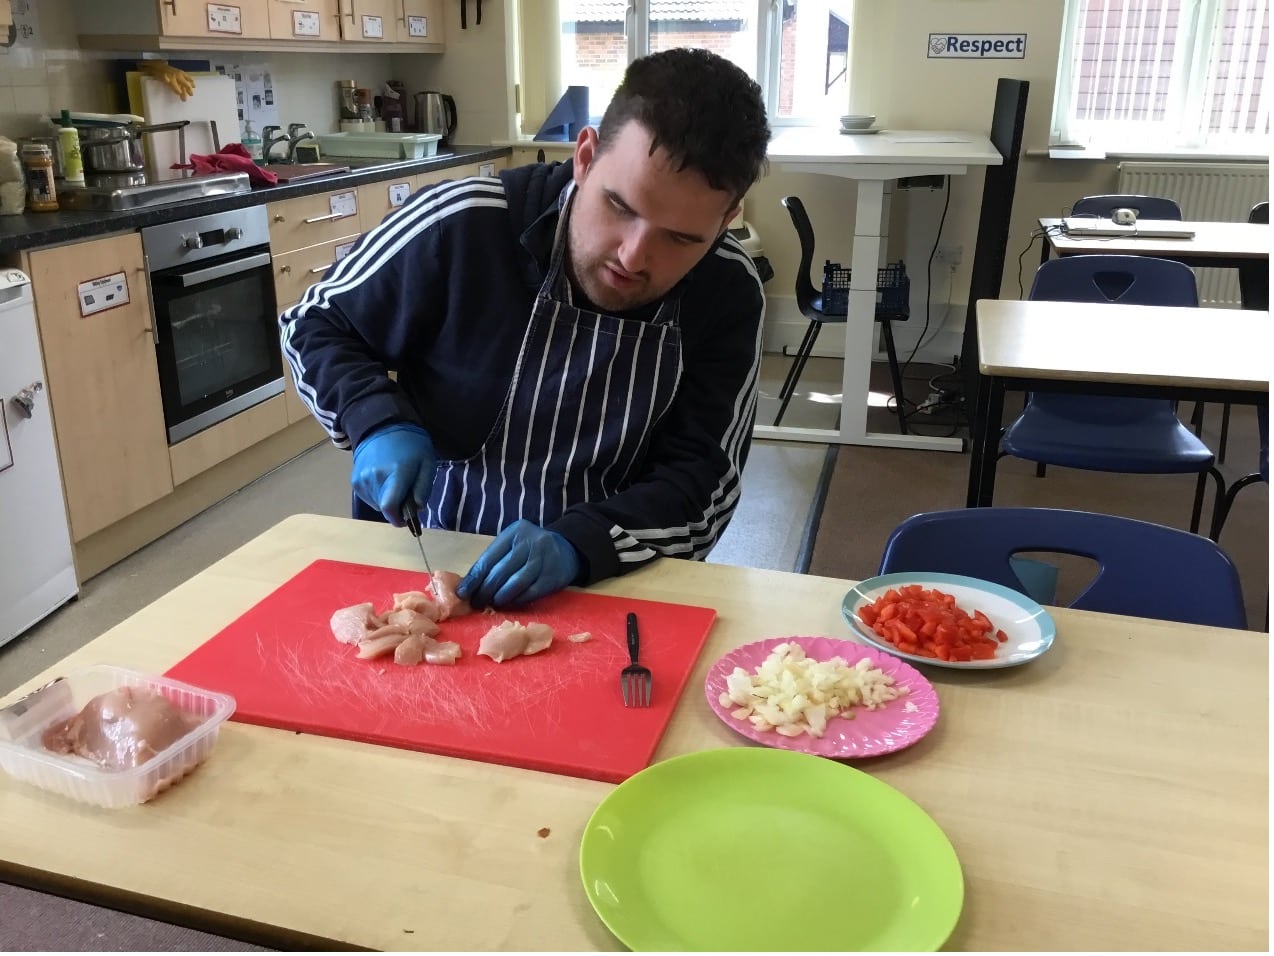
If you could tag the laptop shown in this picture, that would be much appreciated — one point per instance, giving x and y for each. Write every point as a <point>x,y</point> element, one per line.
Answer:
<point>1084,226</point>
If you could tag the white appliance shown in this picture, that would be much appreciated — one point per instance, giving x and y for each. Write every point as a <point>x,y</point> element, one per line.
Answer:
<point>37,574</point>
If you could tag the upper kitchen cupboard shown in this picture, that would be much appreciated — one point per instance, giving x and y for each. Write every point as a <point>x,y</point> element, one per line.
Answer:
<point>103,380</point>
<point>352,26</point>
<point>308,20</point>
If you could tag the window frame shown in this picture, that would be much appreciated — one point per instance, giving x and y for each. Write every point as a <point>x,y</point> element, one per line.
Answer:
<point>1181,132</point>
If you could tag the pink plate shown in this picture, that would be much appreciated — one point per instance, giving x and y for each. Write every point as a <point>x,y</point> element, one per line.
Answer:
<point>868,733</point>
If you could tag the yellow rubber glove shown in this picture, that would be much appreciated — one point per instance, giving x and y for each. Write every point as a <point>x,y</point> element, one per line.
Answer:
<point>179,81</point>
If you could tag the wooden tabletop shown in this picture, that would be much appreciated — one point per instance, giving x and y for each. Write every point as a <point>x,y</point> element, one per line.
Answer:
<point>1219,240</point>
<point>1141,344</point>
<point>1110,795</point>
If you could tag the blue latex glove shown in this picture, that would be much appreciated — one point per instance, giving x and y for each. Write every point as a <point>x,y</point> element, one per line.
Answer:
<point>523,563</point>
<point>392,465</point>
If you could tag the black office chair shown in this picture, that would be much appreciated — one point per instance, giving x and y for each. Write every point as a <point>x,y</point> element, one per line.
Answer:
<point>1146,207</point>
<point>810,301</point>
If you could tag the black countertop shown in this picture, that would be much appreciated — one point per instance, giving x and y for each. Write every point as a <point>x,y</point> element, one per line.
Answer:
<point>32,230</point>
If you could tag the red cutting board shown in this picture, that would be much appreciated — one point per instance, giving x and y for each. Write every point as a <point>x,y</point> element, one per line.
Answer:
<point>559,710</point>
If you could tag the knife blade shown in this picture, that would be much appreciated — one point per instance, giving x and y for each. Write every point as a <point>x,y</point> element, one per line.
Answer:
<point>412,520</point>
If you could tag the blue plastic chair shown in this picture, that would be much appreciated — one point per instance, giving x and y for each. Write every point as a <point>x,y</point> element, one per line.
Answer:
<point>1099,433</point>
<point>1144,569</point>
<point>1146,207</point>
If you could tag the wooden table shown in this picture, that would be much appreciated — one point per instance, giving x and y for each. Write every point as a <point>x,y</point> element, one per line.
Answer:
<point>1212,355</point>
<point>1222,245</point>
<point>1111,795</point>
<point>873,162</point>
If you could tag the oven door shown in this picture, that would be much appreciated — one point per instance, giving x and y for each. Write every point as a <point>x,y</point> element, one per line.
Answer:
<point>217,339</point>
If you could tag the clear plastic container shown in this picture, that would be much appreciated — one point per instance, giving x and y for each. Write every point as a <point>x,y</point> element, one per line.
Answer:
<point>24,757</point>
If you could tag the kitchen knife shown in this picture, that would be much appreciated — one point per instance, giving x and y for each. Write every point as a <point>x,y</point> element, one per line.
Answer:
<point>412,520</point>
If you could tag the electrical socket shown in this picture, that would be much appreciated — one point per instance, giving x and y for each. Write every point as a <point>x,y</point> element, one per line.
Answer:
<point>951,255</point>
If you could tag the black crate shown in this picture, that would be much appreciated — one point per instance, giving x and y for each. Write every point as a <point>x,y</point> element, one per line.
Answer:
<point>893,290</point>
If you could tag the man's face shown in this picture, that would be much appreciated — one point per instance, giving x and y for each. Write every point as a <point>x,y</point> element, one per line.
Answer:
<point>637,226</point>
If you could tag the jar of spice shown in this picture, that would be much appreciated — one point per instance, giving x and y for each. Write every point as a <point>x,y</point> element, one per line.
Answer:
<point>37,160</point>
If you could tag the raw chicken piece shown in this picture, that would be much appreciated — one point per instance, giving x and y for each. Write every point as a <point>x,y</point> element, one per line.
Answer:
<point>451,604</point>
<point>420,602</point>
<point>538,637</point>
<point>513,639</point>
<point>389,638</point>
<point>412,622</point>
<point>419,647</point>
<point>507,639</point>
<point>121,729</point>
<point>442,652</point>
<point>350,625</point>
<point>412,650</point>
<point>579,638</point>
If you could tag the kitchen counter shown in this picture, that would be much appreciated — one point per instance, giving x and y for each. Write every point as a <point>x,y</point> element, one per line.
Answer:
<point>33,230</point>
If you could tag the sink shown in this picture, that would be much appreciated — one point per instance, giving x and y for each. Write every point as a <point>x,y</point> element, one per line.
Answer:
<point>295,172</point>
<point>155,194</point>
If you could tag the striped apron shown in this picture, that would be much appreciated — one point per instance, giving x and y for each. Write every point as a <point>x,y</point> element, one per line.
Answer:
<point>586,394</point>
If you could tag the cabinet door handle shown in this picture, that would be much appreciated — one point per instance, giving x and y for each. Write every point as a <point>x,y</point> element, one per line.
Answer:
<point>279,217</point>
<point>328,218</point>
<point>320,269</point>
<point>171,5</point>
<point>403,18</point>
<point>153,328</point>
<point>351,11</point>
<point>284,269</point>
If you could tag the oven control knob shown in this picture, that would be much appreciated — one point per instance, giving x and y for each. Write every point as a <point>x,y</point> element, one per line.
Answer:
<point>234,232</point>
<point>192,242</point>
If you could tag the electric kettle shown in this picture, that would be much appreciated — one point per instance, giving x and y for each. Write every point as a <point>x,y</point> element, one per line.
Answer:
<point>436,113</point>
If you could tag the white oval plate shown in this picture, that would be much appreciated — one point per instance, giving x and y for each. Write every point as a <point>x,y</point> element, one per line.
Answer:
<point>1029,627</point>
<point>860,132</point>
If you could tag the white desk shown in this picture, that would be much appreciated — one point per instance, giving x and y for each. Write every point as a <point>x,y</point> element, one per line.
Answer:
<point>1216,244</point>
<point>1146,351</point>
<point>873,162</point>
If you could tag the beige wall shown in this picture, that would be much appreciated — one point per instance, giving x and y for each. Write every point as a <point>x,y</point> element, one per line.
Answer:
<point>891,77</point>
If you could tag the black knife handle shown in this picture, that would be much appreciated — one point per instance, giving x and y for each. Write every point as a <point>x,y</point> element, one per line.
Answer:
<point>411,519</point>
<point>634,642</point>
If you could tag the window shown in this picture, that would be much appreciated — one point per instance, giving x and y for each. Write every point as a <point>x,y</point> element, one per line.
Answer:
<point>1147,76</point>
<point>798,50</point>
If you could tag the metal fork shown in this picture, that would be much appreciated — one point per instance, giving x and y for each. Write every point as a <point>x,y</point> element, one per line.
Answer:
<point>635,681</point>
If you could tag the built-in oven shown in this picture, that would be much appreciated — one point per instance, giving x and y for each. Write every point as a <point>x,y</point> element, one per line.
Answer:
<point>216,328</point>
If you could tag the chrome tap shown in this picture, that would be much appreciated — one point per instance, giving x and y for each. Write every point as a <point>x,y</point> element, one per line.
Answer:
<point>269,141</point>
<point>297,133</point>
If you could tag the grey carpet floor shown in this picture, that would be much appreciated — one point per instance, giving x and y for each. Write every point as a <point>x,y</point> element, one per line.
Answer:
<point>873,489</point>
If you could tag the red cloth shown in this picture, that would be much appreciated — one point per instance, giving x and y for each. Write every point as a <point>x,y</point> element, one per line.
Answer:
<point>232,158</point>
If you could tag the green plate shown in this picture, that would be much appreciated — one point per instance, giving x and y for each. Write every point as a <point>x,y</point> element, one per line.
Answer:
<point>758,849</point>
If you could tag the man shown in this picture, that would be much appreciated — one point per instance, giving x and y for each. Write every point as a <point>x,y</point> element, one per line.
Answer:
<point>576,344</point>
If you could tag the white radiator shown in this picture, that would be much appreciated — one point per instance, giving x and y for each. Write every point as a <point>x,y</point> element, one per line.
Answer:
<point>1206,192</point>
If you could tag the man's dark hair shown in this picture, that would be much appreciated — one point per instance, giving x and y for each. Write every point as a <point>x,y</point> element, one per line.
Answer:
<point>704,111</point>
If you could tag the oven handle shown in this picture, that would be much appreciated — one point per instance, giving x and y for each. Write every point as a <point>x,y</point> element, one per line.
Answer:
<point>200,276</point>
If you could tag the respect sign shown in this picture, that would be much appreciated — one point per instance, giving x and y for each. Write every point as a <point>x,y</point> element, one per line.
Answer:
<point>975,46</point>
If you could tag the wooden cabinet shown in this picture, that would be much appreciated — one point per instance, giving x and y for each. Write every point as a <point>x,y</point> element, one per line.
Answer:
<point>378,200</point>
<point>241,20</point>
<point>307,220</point>
<point>296,271</point>
<point>103,382</point>
<point>369,21</point>
<point>256,26</point>
<point>419,21</point>
<point>298,19</point>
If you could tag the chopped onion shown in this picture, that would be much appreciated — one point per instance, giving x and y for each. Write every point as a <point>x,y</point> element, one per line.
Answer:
<point>793,695</point>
